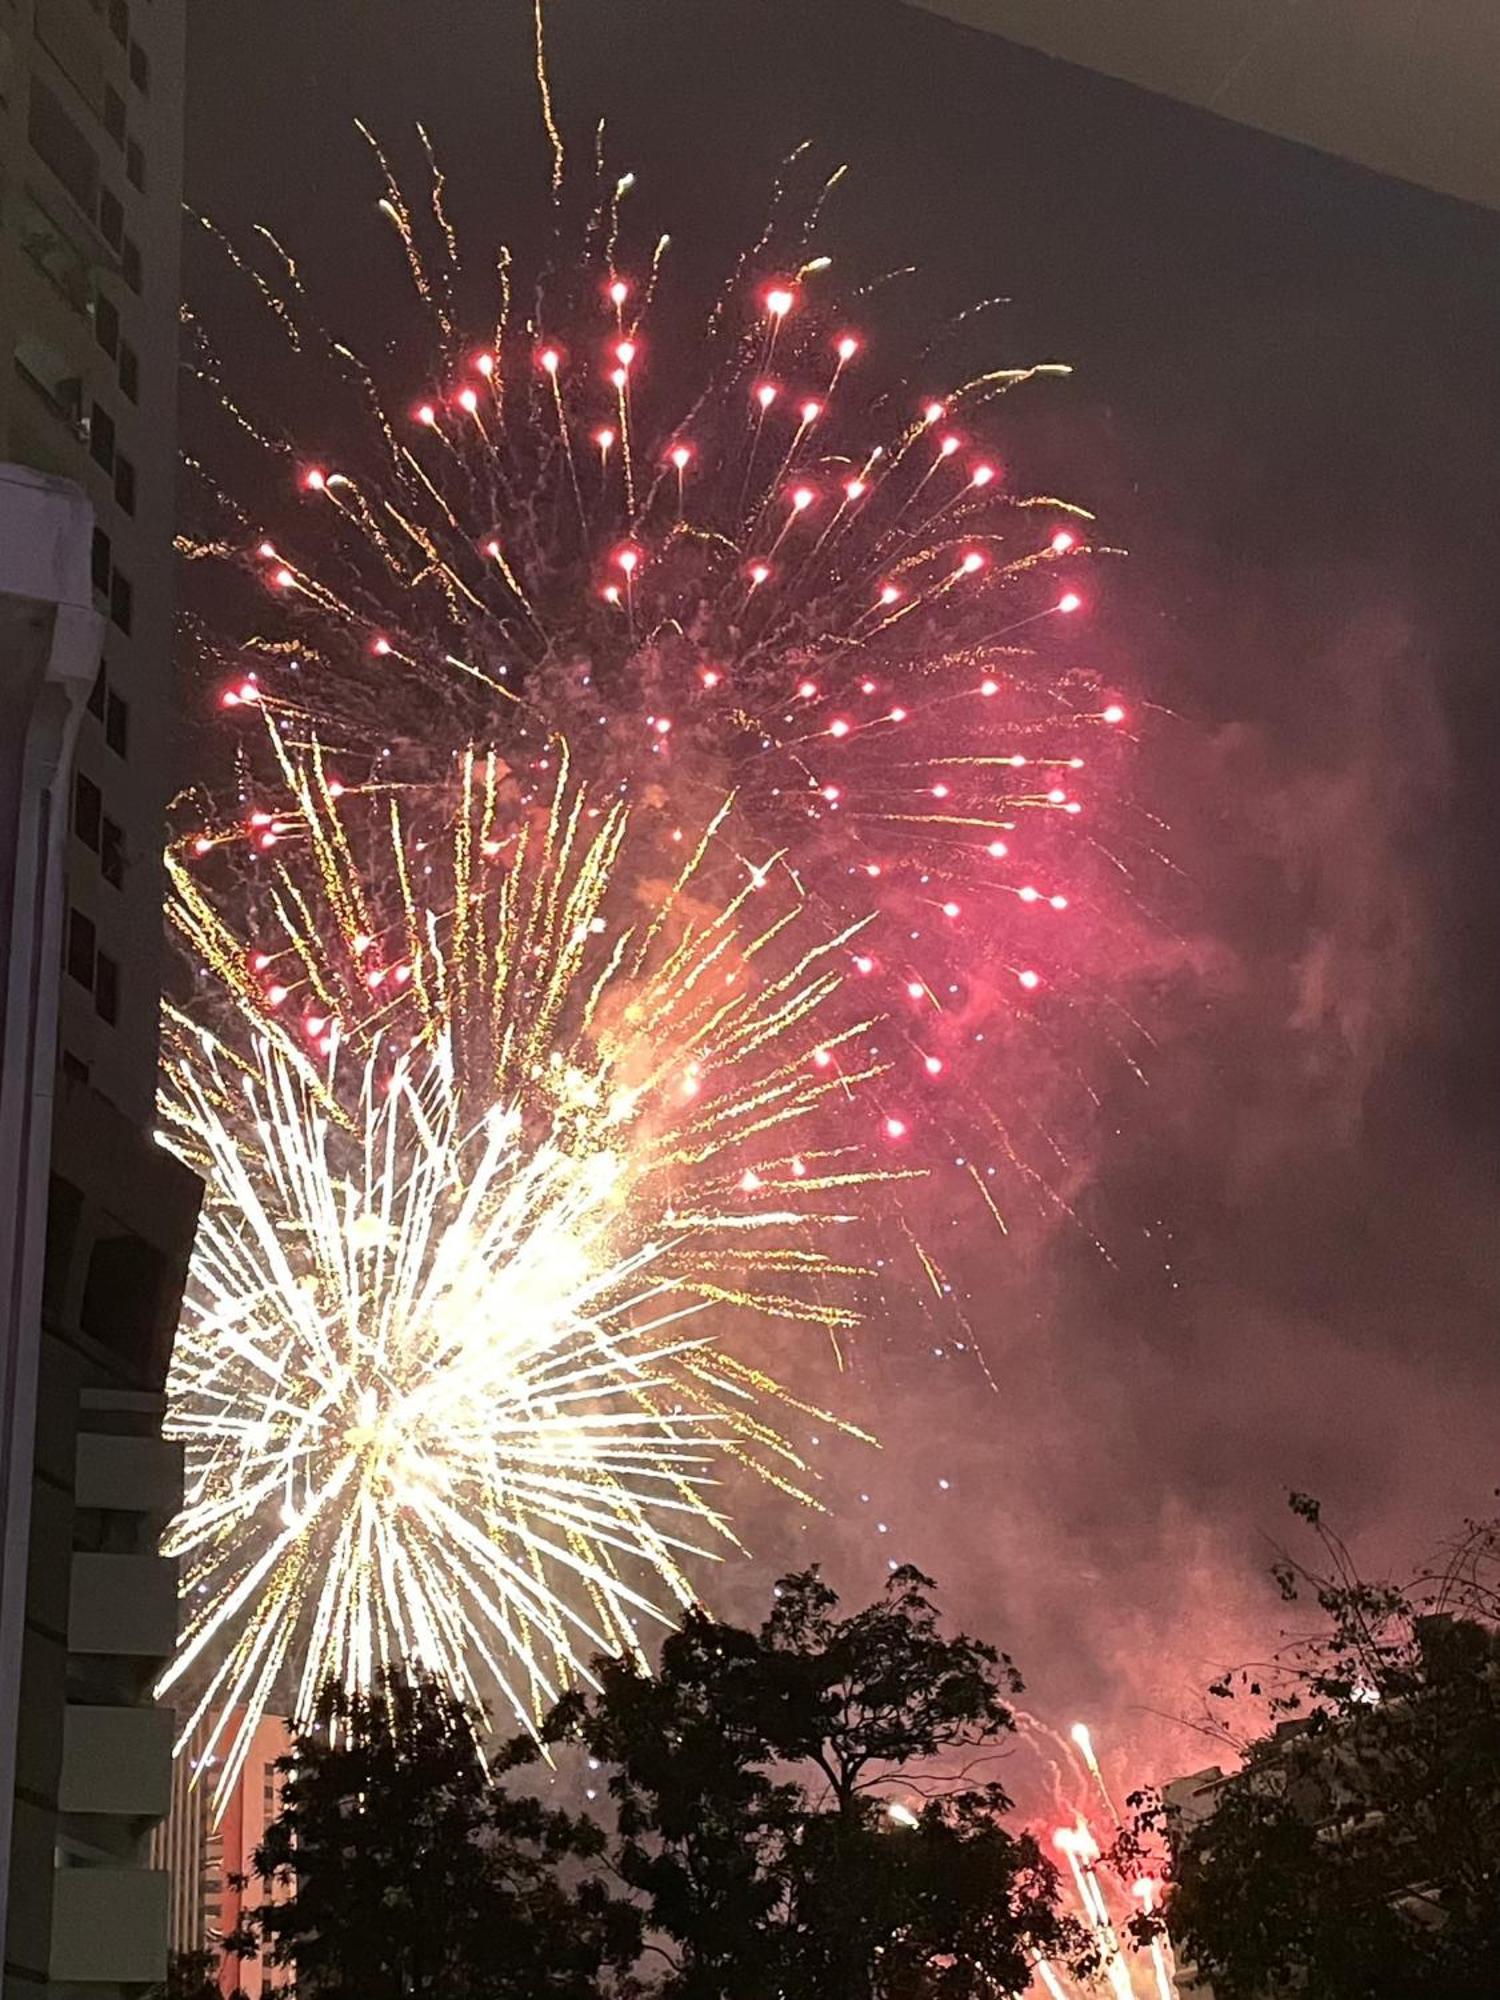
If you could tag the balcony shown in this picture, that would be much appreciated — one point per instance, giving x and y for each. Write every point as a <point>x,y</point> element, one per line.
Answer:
<point>125,1605</point>
<point>116,1761</point>
<point>139,1475</point>
<point>109,1925</point>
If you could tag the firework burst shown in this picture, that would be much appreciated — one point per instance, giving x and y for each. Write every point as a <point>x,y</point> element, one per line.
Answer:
<point>495,1101</point>
<point>506,1066</point>
<point>717,557</point>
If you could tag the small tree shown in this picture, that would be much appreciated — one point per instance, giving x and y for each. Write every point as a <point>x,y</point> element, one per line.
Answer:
<point>751,1780</point>
<point>191,1975</point>
<point>402,1868</point>
<point>1356,1853</point>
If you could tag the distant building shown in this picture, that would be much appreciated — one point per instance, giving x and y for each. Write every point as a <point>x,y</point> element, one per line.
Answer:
<point>205,1856</point>
<point>95,1220</point>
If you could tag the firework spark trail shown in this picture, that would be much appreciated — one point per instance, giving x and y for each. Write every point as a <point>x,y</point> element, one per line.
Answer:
<point>1129,1968</point>
<point>492,1103</point>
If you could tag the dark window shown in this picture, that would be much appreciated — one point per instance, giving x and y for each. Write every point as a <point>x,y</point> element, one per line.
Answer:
<point>117,721</point>
<point>102,437</point>
<point>59,144</point>
<point>106,988</point>
<point>107,324</point>
<point>130,370</point>
<point>112,853</point>
<point>76,1070</point>
<point>80,948</point>
<point>111,218</point>
<point>114,114</point>
<point>100,689</point>
<point>99,565</point>
<point>121,603</point>
<point>119,20</point>
<point>125,483</point>
<point>64,1214</point>
<point>140,68</point>
<point>88,810</point>
<point>124,1293</point>
<point>130,263</point>
<point>135,164</point>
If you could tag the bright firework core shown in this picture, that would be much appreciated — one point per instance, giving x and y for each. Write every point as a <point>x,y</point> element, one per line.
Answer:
<point>478,1157</point>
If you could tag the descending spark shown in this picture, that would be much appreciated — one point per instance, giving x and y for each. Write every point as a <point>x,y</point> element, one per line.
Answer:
<point>492,1106</point>
<point>1116,1956</point>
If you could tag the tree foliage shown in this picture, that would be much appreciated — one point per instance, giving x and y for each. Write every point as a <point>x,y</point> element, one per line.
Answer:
<point>751,1777</point>
<point>191,1975</point>
<point>1356,1852</point>
<point>751,1853</point>
<point>400,1867</point>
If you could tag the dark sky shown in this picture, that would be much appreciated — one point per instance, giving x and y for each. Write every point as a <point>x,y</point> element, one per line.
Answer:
<point>1286,407</point>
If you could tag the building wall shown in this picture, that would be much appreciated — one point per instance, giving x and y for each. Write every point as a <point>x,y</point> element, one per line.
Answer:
<point>91,103</point>
<point>90,184</point>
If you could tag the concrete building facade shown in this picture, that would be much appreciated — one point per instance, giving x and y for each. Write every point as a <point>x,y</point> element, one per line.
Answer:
<point>99,1220</point>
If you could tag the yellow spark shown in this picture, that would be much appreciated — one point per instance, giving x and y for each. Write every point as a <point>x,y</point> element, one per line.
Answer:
<point>454,1371</point>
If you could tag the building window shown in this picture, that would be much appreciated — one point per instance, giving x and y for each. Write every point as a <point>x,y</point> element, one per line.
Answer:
<point>107,324</point>
<point>124,483</point>
<point>100,689</point>
<point>130,263</point>
<point>61,147</point>
<point>130,371</point>
<point>99,566</point>
<point>112,852</point>
<point>76,1070</point>
<point>88,810</point>
<point>64,1215</point>
<point>117,721</point>
<point>119,20</point>
<point>121,603</point>
<point>102,438</point>
<point>106,988</point>
<point>140,68</point>
<point>114,114</point>
<point>51,375</point>
<point>135,164</point>
<point>62,262</point>
<point>124,1293</point>
<point>80,949</point>
<point>111,218</point>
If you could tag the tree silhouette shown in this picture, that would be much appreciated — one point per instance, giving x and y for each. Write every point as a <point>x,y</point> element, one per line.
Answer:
<point>1356,1852</point>
<point>400,1867</point>
<point>752,1778</point>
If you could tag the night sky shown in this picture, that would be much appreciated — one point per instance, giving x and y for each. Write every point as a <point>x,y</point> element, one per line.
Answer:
<point>1285,406</point>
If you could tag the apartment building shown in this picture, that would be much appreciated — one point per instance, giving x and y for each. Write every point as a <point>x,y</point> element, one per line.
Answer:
<point>90,184</point>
